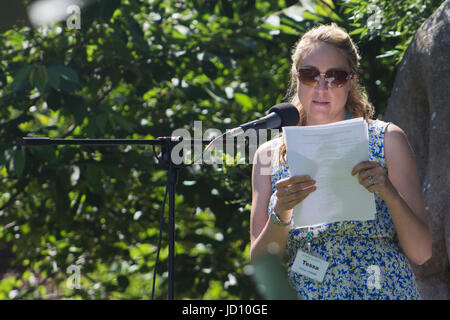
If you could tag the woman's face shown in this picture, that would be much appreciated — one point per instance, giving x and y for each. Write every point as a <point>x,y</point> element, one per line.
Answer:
<point>321,103</point>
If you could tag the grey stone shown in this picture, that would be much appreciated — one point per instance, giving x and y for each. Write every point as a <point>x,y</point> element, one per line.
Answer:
<point>420,105</point>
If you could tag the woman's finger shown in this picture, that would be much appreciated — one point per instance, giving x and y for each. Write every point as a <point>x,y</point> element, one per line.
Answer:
<point>300,186</point>
<point>292,180</point>
<point>365,174</point>
<point>292,190</point>
<point>289,201</point>
<point>364,165</point>
<point>369,181</point>
<point>300,196</point>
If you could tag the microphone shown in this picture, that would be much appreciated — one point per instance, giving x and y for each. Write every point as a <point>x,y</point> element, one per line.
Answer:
<point>280,115</point>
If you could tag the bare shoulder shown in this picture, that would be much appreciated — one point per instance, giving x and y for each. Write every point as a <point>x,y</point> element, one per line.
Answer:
<point>398,152</point>
<point>264,154</point>
<point>396,140</point>
<point>394,130</point>
<point>269,146</point>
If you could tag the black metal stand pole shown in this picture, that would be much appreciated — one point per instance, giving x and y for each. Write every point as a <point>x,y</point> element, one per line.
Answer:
<point>172,181</point>
<point>165,161</point>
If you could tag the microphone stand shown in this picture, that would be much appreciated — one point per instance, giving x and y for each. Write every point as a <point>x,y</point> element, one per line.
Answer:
<point>165,162</point>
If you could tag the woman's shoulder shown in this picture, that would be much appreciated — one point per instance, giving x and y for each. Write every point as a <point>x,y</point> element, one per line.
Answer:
<point>267,154</point>
<point>378,128</point>
<point>395,136</point>
<point>270,145</point>
<point>387,136</point>
<point>385,127</point>
<point>266,151</point>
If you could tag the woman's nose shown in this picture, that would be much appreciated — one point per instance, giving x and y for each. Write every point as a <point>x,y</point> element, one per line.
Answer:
<point>321,83</point>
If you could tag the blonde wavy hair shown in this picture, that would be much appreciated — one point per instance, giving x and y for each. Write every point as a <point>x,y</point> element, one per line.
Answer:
<point>357,103</point>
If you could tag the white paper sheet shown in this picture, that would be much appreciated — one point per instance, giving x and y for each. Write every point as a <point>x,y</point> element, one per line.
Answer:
<point>328,154</point>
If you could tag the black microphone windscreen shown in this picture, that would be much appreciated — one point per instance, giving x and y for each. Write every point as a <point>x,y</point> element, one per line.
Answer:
<point>288,113</point>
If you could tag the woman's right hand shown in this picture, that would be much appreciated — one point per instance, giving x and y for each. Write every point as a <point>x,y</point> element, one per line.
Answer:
<point>290,192</point>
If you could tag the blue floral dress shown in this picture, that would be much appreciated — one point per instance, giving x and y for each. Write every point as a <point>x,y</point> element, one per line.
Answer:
<point>365,260</point>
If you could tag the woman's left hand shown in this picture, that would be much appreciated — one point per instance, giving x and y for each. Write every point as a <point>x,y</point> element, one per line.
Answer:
<point>374,178</point>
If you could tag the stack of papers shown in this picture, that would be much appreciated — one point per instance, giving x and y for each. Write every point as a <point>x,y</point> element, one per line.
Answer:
<point>328,154</point>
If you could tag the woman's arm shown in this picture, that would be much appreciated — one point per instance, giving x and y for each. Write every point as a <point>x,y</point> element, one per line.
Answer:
<point>401,191</point>
<point>290,192</point>
<point>406,205</point>
<point>262,231</point>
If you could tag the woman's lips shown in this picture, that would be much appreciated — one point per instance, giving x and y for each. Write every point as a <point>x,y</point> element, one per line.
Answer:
<point>320,102</point>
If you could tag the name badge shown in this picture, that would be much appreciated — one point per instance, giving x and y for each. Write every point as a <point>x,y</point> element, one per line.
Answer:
<point>310,266</point>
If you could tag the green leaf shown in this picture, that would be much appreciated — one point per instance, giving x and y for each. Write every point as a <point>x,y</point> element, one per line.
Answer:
<point>19,162</point>
<point>244,100</point>
<point>2,78</point>
<point>39,78</point>
<point>61,77</point>
<point>123,282</point>
<point>357,31</point>
<point>287,30</point>
<point>213,93</point>
<point>69,78</point>
<point>53,76</point>
<point>162,72</point>
<point>93,177</point>
<point>123,123</point>
<point>100,121</point>
<point>54,100</point>
<point>209,69</point>
<point>2,157</point>
<point>311,16</point>
<point>388,54</point>
<point>180,32</point>
<point>21,78</point>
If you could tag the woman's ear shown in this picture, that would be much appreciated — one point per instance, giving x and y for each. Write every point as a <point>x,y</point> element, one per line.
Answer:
<point>353,79</point>
<point>352,82</point>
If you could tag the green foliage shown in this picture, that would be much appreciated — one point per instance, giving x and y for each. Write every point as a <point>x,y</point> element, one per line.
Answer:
<point>141,69</point>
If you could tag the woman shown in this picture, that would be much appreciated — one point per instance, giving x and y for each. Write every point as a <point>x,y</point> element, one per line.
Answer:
<point>366,259</point>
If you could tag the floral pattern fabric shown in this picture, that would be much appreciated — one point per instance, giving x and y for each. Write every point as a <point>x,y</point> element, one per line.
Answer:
<point>365,260</point>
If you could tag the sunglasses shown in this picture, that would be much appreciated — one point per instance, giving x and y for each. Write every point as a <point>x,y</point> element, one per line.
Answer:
<point>334,78</point>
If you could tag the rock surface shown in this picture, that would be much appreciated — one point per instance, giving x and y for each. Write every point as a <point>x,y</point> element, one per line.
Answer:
<point>420,105</point>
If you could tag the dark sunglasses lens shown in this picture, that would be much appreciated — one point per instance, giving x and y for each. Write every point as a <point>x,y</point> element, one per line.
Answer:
<point>308,76</point>
<point>339,77</point>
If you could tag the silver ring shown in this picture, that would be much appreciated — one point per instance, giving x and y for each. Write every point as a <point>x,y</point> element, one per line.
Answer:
<point>370,180</point>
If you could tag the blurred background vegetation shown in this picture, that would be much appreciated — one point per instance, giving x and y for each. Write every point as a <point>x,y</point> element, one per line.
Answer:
<point>141,69</point>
